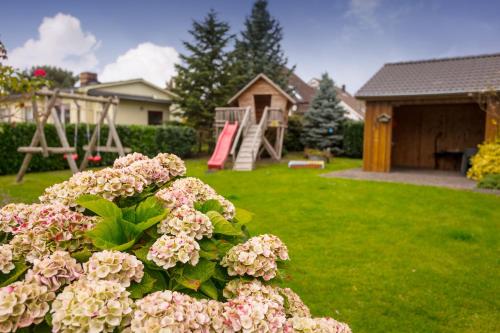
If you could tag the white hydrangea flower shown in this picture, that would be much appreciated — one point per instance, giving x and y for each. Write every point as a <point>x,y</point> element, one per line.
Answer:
<point>67,192</point>
<point>6,258</point>
<point>256,257</point>
<point>151,170</point>
<point>55,270</point>
<point>114,266</point>
<point>315,325</point>
<point>168,250</point>
<point>50,228</point>
<point>116,183</point>
<point>253,314</point>
<point>125,161</point>
<point>175,166</point>
<point>254,288</point>
<point>186,220</point>
<point>14,215</point>
<point>294,306</point>
<point>170,311</point>
<point>91,306</point>
<point>187,191</point>
<point>23,304</point>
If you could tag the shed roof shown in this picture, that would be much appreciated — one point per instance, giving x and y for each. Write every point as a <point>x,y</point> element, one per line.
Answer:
<point>448,76</point>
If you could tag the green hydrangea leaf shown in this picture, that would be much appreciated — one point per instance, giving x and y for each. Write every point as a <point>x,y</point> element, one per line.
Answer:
<point>208,288</point>
<point>209,205</point>
<point>14,275</point>
<point>82,255</point>
<point>100,206</point>
<point>243,216</point>
<point>221,225</point>
<point>138,290</point>
<point>109,234</point>
<point>193,276</point>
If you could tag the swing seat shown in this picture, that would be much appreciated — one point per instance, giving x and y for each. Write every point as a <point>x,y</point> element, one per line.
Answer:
<point>74,156</point>
<point>95,159</point>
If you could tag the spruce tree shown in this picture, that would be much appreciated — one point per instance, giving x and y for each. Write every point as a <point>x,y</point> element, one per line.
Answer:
<point>324,120</point>
<point>259,50</point>
<point>202,81</point>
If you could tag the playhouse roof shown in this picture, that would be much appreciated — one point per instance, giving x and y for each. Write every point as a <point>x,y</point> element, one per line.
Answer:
<point>268,80</point>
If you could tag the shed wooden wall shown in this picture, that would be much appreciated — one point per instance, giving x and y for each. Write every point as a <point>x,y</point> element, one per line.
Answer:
<point>377,138</point>
<point>261,87</point>
<point>419,131</point>
<point>492,129</point>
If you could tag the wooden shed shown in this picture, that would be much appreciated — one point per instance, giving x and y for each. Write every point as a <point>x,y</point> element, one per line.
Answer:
<point>425,114</point>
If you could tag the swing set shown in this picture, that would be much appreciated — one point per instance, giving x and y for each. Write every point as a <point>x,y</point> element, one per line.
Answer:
<point>54,109</point>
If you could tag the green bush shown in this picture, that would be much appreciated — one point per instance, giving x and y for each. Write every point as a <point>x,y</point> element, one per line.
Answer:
<point>491,181</point>
<point>292,136</point>
<point>353,139</point>
<point>149,140</point>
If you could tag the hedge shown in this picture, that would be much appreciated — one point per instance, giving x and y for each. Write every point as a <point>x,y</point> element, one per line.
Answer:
<point>353,138</point>
<point>292,135</point>
<point>149,140</point>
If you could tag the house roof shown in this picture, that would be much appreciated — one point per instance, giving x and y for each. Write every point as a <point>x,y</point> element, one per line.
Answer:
<point>102,86</point>
<point>448,76</point>
<point>264,77</point>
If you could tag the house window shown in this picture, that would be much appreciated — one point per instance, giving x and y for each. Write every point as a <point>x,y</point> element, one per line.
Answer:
<point>155,117</point>
<point>64,114</point>
<point>28,115</point>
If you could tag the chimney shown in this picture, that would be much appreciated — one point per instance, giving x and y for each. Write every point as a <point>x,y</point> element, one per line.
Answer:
<point>87,78</point>
<point>343,88</point>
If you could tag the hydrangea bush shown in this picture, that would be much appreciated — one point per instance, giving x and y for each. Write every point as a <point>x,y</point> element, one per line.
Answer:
<point>140,247</point>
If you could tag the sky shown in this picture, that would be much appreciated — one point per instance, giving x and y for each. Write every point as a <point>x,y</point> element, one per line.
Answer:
<point>349,39</point>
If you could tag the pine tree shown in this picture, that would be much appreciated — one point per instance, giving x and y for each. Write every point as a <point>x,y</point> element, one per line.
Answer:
<point>324,119</point>
<point>202,81</point>
<point>259,50</point>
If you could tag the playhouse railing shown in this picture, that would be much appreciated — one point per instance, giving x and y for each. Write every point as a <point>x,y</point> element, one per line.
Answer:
<point>276,118</point>
<point>224,114</point>
<point>245,124</point>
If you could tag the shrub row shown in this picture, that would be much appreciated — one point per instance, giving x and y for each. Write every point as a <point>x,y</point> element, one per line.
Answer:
<point>352,131</point>
<point>149,140</point>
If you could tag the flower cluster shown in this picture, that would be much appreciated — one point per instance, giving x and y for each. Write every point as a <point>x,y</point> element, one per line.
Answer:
<point>23,304</point>
<point>116,266</point>
<point>6,258</point>
<point>91,306</point>
<point>315,325</point>
<point>129,175</point>
<point>294,307</point>
<point>168,250</point>
<point>150,170</point>
<point>55,271</point>
<point>253,288</point>
<point>167,311</point>
<point>292,303</point>
<point>125,161</point>
<point>188,191</point>
<point>172,163</point>
<point>188,220</point>
<point>49,228</point>
<point>256,257</point>
<point>253,314</point>
<point>13,215</point>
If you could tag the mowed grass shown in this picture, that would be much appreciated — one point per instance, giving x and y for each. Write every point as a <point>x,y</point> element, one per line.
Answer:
<point>383,257</point>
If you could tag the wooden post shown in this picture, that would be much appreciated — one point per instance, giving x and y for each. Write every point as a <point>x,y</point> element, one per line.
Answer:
<point>64,140</point>
<point>36,137</point>
<point>116,138</point>
<point>39,127</point>
<point>93,139</point>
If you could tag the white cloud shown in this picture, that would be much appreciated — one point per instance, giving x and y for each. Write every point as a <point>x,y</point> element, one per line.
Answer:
<point>61,42</point>
<point>149,61</point>
<point>364,12</point>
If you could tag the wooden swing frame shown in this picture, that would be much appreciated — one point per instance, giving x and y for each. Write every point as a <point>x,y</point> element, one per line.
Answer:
<point>38,143</point>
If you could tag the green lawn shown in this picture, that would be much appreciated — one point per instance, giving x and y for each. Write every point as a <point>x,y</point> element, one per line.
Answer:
<point>382,257</point>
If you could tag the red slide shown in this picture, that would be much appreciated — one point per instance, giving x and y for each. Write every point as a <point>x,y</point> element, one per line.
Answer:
<point>223,146</point>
